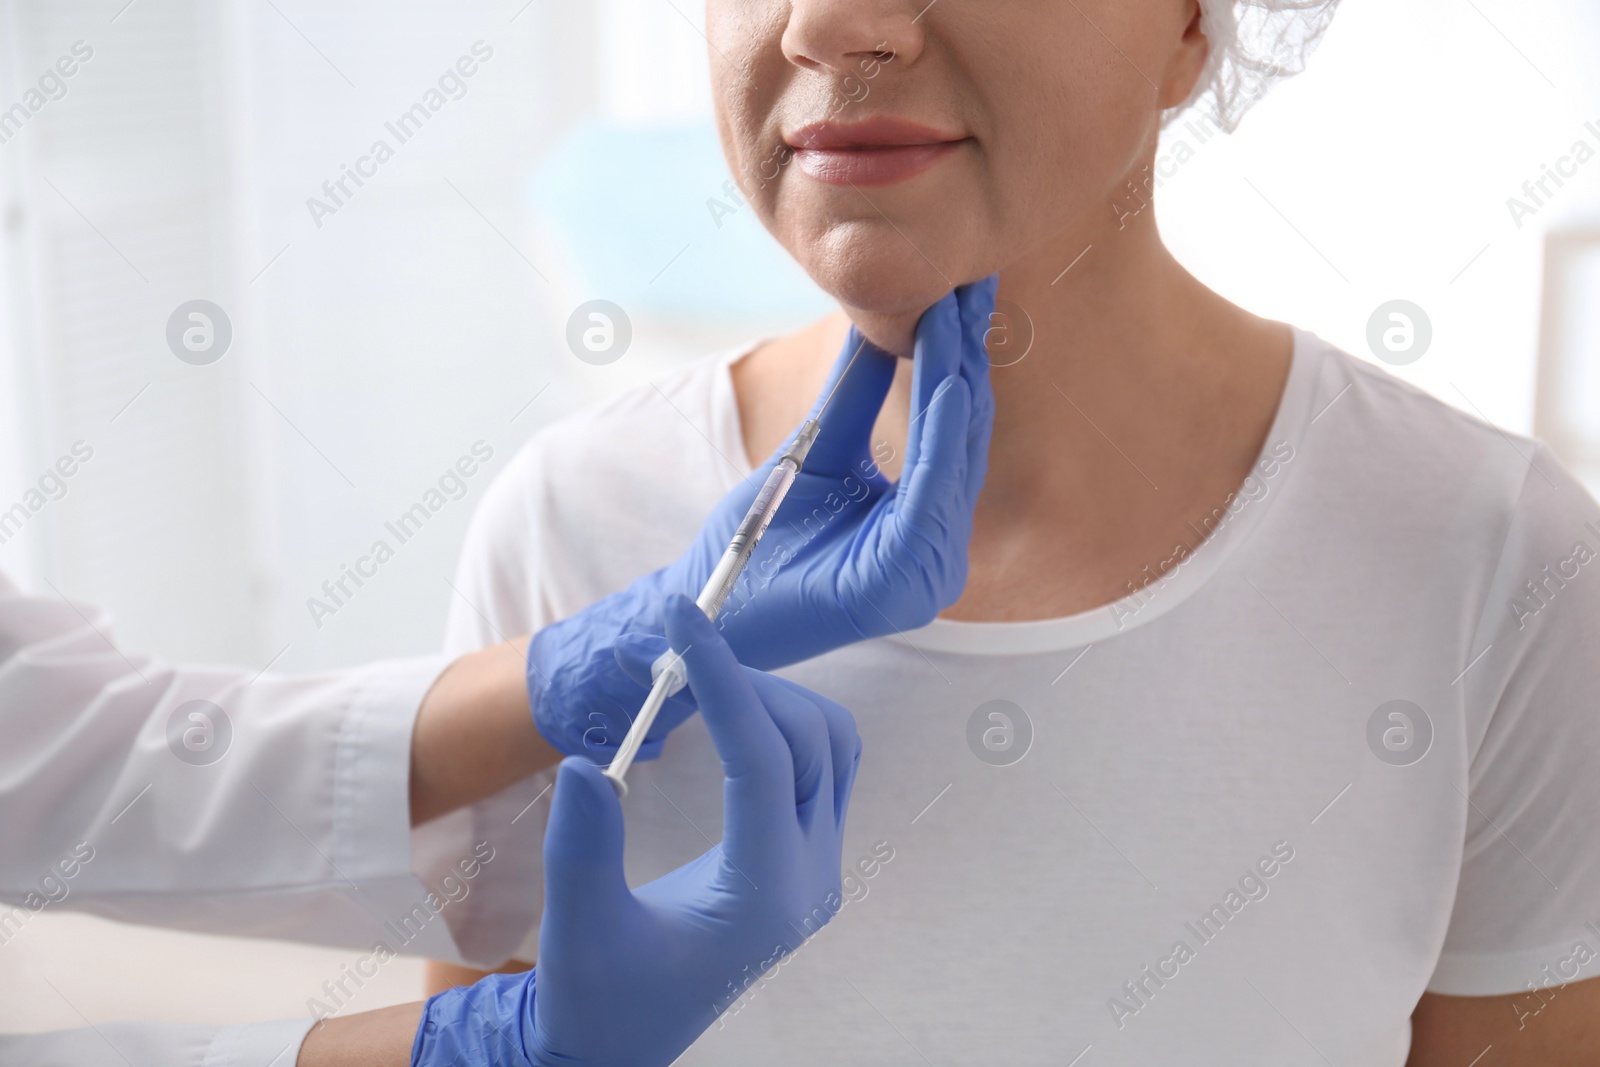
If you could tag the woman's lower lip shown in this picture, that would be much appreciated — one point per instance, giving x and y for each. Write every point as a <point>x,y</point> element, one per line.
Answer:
<point>872,166</point>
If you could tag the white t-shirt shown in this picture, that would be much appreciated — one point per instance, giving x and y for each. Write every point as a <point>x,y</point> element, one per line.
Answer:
<point>1200,829</point>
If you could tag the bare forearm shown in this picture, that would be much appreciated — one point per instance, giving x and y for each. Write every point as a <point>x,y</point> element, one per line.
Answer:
<point>379,1038</point>
<point>474,734</point>
<point>1548,1027</point>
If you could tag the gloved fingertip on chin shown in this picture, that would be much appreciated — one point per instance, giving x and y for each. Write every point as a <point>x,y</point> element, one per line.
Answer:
<point>937,349</point>
<point>977,303</point>
<point>944,312</point>
<point>979,295</point>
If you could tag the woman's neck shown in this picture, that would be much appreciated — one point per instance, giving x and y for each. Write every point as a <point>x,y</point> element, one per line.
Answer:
<point>1134,364</point>
<point>1142,402</point>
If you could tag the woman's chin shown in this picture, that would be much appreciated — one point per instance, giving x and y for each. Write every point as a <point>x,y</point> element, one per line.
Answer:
<point>884,294</point>
<point>878,276</point>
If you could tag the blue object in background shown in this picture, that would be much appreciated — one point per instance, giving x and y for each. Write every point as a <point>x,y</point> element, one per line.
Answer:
<point>624,202</point>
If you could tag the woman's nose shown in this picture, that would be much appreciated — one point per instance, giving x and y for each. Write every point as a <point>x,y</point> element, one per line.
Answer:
<point>836,35</point>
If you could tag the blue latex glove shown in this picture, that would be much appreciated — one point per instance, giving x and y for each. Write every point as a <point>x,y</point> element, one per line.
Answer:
<point>633,977</point>
<point>849,555</point>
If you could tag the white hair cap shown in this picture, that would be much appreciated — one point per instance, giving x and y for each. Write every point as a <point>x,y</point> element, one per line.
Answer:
<point>1254,45</point>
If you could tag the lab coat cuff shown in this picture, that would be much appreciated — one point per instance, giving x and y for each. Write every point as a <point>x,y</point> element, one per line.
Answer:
<point>275,1044</point>
<point>372,840</point>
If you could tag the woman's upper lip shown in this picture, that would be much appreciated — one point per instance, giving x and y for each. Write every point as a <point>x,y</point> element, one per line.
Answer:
<point>884,131</point>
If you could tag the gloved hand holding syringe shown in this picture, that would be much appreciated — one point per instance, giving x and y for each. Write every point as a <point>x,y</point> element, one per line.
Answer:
<point>668,671</point>
<point>888,557</point>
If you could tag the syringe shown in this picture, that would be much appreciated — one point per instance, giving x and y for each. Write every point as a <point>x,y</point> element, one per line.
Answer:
<point>668,672</point>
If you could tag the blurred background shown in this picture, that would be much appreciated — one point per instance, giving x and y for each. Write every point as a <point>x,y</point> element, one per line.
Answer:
<point>382,329</point>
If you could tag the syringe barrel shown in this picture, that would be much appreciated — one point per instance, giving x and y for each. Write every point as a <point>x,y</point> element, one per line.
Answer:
<point>668,670</point>
<point>725,576</point>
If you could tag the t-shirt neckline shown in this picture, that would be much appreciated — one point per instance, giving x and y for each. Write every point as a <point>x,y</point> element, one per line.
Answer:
<point>1140,608</point>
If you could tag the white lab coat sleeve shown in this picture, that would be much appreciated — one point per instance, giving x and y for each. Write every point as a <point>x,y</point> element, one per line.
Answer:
<point>275,1044</point>
<point>222,800</point>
